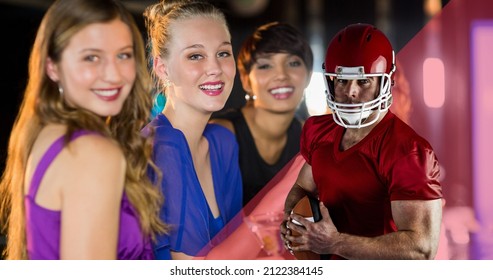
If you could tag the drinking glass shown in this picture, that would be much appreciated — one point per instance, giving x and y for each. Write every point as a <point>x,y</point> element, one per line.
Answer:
<point>266,226</point>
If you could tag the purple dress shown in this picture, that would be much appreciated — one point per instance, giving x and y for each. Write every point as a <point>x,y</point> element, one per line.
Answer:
<point>43,225</point>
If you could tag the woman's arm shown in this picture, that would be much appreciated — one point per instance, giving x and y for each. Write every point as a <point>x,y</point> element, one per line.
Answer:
<point>91,198</point>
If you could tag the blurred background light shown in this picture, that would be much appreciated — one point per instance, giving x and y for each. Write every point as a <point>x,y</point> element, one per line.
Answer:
<point>434,82</point>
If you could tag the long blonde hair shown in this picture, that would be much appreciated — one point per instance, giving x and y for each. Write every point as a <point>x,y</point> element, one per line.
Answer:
<point>42,105</point>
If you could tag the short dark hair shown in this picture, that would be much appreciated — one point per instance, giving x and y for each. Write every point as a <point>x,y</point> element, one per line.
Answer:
<point>274,37</point>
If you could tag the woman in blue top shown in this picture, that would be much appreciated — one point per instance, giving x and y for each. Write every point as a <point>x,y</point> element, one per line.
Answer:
<point>192,58</point>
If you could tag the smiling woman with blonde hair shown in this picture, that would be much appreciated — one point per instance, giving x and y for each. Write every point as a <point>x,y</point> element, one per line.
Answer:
<point>194,66</point>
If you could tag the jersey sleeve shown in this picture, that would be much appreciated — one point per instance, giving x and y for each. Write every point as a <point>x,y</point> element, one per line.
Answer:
<point>415,176</point>
<point>306,140</point>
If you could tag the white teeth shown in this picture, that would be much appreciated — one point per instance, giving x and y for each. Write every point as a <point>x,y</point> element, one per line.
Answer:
<point>281,90</point>
<point>106,92</point>
<point>211,87</point>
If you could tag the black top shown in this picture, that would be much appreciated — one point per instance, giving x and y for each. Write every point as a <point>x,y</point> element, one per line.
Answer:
<point>255,172</point>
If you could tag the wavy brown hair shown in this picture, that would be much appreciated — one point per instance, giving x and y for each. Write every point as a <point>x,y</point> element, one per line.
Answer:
<point>43,105</point>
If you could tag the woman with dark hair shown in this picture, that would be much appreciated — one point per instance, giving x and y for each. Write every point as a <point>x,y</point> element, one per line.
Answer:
<point>275,65</point>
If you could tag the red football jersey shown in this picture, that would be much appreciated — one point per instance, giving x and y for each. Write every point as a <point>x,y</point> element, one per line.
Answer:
<point>357,185</point>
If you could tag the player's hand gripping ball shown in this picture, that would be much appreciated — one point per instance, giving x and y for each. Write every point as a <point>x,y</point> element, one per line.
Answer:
<point>307,207</point>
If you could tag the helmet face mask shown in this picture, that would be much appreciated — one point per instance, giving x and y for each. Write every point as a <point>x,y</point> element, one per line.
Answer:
<point>358,52</point>
<point>360,114</point>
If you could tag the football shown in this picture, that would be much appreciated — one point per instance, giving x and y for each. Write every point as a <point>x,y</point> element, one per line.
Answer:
<point>308,208</point>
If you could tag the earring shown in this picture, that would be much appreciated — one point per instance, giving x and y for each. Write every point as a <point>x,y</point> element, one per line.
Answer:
<point>248,97</point>
<point>166,83</point>
<point>60,90</point>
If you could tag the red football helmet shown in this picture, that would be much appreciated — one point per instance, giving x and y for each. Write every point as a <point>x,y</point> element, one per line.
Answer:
<point>357,52</point>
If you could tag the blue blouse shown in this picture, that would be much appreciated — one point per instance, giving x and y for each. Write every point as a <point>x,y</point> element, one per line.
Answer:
<point>185,207</point>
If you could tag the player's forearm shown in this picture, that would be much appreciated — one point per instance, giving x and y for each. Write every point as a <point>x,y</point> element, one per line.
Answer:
<point>294,195</point>
<point>396,245</point>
